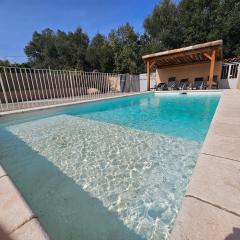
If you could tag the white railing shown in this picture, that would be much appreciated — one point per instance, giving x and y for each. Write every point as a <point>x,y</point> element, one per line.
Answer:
<point>22,88</point>
<point>230,75</point>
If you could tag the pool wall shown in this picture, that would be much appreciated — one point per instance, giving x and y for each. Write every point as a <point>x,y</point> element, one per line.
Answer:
<point>210,208</point>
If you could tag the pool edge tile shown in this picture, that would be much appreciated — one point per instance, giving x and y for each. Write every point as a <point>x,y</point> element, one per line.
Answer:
<point>29,231</point>
<point>216,180</point>
<point>15,212</point>
<point>223,138</point>
<point>2,172</point>
<point>200,221</point>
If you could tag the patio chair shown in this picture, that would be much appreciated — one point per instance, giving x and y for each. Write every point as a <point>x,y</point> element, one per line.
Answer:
<point>171,84</point>
<point>199,83</point>
<point>183,84</point>
<point>158,86</point>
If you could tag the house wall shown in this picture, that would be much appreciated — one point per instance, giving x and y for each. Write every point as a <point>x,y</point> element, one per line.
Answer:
<point>189,71</point>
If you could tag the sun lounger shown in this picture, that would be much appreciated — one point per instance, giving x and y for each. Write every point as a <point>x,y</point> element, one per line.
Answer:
<point>158,86</point>
<point>183,84</point>
<point>171,84</point>
<point>199,83</point>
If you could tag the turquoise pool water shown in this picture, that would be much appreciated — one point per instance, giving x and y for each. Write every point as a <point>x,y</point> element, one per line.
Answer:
<point>114,169</point>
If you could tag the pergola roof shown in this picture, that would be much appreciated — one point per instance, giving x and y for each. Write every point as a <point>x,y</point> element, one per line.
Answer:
<point>186,55</point>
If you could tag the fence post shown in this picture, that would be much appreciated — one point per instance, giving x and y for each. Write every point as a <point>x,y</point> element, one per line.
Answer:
<point>71,84</point>
<point>4,92</point>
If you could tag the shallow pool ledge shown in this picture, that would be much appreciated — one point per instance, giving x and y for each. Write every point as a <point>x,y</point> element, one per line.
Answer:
<point>211,206</point>
<point>17,221</point>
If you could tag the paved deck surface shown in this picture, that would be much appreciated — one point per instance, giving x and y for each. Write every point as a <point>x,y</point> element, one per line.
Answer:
<point>17,221</point>
<point>211,206</point>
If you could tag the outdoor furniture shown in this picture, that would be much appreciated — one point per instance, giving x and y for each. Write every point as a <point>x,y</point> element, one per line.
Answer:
<point>183,84</point>
<point>158,86</point>
<point>171,84</point>
<point>199,83</point>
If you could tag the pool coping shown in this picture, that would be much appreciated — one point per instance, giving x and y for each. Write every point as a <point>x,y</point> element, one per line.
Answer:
<point>210,208</point>
<point>188,91</point>
<point>17,220</point>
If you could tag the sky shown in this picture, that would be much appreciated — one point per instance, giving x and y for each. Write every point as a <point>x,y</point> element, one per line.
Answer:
<point>20,18</point>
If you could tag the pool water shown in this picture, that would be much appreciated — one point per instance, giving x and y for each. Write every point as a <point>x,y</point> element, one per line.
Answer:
<point>115,169</point>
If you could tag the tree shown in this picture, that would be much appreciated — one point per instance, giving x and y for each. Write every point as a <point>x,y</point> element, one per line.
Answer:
<point>58,49</point>
<point>194,21</point>
<point>100,54</point>
<point>228,27</point>
<point>107,58</point>
<point>199,21</point>
<point>41,50</point>
<point>78,44</point>
<point>163,27</point>
<point>4,63</point>
<point>126,47</point>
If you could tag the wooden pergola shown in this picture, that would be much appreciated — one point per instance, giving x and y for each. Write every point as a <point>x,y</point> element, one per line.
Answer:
<point>200,53</point>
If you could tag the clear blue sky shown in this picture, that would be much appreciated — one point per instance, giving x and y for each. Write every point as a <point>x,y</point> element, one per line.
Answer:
<point>20,18</point>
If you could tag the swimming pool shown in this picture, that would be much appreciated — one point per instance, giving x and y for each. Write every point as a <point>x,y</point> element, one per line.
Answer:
<point>115,169</point>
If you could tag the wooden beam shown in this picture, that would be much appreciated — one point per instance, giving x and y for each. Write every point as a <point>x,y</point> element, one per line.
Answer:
<point>212,64</point>
<point>182,54</point>
<point>148,76</point>
<point>207,56</point>
<point>182,64</point>
<point>152,64</point>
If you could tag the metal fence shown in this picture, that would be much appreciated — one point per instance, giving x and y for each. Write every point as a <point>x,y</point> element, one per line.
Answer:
<point>22,88</point>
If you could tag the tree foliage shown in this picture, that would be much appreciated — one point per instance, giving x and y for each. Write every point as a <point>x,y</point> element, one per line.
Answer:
<point>163,26</point>
<point>196,21</point>
<point>169,26</point>
<point>58,49</point>
<point>100,54</point>
<point>126,47</point>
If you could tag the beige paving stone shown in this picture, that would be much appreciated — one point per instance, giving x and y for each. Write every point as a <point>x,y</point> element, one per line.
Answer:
<point>227,113</point>
<point>226,129</point>
<point>229,109</point>
<point>222,146</point>
<point>231,101</point>
<point>2,172</point>
<point>200,221</point>
<point>217,181</point>
<point>224,118</point>
<point>32,230</point>
<point>13,209</point>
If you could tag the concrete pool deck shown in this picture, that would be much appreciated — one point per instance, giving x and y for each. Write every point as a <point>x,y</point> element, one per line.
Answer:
<point>17,221</point>
<point>211,206</point>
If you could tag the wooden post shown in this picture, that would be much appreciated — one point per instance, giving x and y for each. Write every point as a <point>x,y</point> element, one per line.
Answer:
<point>212,64</point>
<point>148,76</point>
